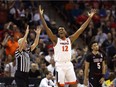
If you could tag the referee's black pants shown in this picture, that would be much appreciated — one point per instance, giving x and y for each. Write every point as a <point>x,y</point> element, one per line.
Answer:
<point>21,79</point>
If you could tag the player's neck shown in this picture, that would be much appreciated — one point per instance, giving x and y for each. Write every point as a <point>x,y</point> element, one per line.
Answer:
<point>48,78</point>
<point>63,38</point>
<point>95,52</point>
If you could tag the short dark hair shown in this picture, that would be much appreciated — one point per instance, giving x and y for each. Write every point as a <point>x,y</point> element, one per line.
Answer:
<point>60,26</point>
<point>91,43</point>
<point>47,72</point>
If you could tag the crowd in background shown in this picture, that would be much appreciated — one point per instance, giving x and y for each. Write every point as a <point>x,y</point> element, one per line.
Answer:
<point>16,15</point>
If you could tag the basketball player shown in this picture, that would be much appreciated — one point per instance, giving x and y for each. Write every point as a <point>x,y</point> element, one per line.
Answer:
<point>62,51</point>
<point>94,66</point>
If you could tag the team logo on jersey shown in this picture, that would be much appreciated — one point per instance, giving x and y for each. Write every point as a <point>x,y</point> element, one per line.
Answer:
<point>64,43</point>
<point>98,60</point>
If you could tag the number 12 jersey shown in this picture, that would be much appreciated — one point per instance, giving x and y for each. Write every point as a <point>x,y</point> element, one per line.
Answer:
<point>62,50</point>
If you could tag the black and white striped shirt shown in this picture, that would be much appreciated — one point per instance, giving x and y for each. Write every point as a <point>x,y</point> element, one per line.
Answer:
<point>22,60</point>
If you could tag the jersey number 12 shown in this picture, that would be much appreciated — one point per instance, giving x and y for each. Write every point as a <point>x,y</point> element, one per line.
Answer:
<point>64,48</point>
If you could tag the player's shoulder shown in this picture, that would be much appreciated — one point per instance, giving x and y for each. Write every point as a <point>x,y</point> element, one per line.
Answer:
<point>89,54</point>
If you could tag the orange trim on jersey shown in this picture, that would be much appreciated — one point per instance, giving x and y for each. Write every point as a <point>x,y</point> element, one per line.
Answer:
<point>71,82</point>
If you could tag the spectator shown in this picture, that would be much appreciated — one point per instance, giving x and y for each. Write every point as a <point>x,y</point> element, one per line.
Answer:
<point>31,37</point>
<point>11,46</point>
<point>42,58</point>
<point>111,51</point>
<point>2,55</point>
<point>10,69</point>
<point>38,61</point>
<point>102,11</point>
<point>36,17</point>
<point>110,82</point>
<point>54,27</point>
<point>51,67</point>
<point>68,8</point>
<point>16,32</point>
<point>4,8</point>
<point>76,11</point>
<point>96,19</point>
<point>100,37</point>
<point>43,70</point>
<point>47,80</point>
<point>8,59</point>
<point>107,42</point>
<point>79,57</point>
<point>50,55</point>
<point>106,26</point>
<point>80,76</point>
<point>44,36</point>
<point>2,46</point>
<point>81,18</point>
<point>74,52</point>
<point>113,31</point>
<point>90,32</point>
<point>34,71</point>
<point>29,16</point>
<point>35,54</point>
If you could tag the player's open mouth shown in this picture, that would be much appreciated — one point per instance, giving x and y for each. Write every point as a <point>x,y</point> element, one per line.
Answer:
<point>60,32</point>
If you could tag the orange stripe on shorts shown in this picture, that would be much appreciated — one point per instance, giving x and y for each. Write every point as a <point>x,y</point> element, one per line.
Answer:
<point>71,82</point>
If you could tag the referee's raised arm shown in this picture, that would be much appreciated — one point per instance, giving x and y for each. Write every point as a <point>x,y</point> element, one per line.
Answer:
<point>23,40</point>
<point>37,31</point>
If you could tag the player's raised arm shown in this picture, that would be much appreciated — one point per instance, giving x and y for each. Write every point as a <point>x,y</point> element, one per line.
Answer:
<point>82,28</point>
<point>38,30</point>
<point>49,32</point>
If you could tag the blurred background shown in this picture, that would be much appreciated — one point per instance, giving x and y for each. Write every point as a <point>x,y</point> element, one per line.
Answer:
<point>15,15</point>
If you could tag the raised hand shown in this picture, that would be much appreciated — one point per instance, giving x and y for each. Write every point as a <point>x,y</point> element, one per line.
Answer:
<point>27,30</point>
<point>40,10</point>
<point>93,11</point>
<point>5,39</point>
<point>101,80</point>
<point>38,30</point>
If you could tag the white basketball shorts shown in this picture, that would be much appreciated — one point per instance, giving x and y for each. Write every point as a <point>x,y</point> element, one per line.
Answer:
<point>65,73</point>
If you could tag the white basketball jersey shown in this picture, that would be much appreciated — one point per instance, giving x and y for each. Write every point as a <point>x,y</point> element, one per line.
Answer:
<point>62,50</point>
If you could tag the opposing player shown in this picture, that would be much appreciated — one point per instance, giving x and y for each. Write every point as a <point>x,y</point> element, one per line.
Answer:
<point>62,51</point>
<point>94,67</point>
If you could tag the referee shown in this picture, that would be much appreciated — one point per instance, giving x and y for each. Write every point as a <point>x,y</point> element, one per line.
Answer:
<point>23,59</point>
